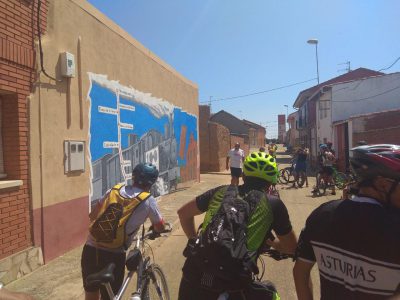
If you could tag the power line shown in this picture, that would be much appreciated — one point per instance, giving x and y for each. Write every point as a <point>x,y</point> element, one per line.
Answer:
<point>390,65</point>
<point>261,92</point>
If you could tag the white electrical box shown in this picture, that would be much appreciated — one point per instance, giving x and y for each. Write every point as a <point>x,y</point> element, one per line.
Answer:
<point>67,61</point>
<point>74,156</point>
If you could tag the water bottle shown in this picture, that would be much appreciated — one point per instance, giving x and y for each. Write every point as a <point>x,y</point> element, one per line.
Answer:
<point>135,296</point>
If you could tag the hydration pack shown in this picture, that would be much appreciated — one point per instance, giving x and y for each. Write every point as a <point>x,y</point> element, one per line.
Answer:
<point>234,227</point>
<point>109,228</point>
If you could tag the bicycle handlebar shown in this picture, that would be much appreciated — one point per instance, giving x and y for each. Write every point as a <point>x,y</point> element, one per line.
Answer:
<point>275,254</point>
<point>152,234</point>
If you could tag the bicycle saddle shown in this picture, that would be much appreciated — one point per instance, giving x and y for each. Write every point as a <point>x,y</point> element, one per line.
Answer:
<point>103,276</point>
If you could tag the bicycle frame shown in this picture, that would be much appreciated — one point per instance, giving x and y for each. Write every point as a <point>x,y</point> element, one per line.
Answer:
<point>142,269</point>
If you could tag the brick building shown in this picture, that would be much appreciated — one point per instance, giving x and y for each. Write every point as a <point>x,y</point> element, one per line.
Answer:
<point>374,128</point>
<point>18,31</point>
<point>219,133</point>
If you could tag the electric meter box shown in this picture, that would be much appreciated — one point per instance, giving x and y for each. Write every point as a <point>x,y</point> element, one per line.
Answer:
<point>74,156</point>
<point>67,61</point>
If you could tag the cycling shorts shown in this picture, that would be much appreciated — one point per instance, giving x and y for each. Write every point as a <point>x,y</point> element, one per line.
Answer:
<point>94,260</point>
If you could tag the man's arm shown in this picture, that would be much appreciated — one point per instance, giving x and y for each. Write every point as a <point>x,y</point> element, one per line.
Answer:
<point>227,162</point>
<point>284,243</point>
<point>186,216</point>
<point>302,279</point>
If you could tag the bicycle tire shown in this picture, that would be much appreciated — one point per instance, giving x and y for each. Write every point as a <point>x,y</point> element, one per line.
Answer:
<point>156,287</point>
<point>282,178</point>
<point>340,180</point>
<point>321,186</point>
<point>301,179</point>
<point>285,175</point>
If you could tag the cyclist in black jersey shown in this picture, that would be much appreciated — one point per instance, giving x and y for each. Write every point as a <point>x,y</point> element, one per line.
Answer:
<point>356,242</point>
<point>192,287</point>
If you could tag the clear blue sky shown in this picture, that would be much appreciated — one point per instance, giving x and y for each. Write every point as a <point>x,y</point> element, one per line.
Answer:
<point>231,47</point>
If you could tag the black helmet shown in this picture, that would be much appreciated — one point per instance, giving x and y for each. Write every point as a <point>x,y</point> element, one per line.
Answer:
<point>145,174</point>
<point>368,162</point>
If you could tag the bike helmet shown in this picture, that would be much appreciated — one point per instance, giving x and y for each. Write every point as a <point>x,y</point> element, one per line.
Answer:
<point>323,146</point>
<point>145,174</point>
<point>368,162</point>
<point>261,165</point>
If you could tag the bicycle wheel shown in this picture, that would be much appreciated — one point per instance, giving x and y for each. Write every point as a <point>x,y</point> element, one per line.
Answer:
<point>301,179</point>
<point>321,186</point>
<point>156,287</point>
<point>340,180</point>
<point>283,176</point>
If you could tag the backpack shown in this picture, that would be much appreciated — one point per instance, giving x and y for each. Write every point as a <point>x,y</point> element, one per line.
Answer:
<point>234,227</point>
<point>109,228</point>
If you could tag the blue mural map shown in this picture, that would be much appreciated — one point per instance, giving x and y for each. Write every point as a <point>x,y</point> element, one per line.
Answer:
<point>124,132</point>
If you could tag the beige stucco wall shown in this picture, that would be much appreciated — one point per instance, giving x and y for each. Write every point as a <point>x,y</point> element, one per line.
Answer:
<point>59,110</point>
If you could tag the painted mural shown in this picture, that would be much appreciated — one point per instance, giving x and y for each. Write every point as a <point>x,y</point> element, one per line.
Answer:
<point>127,127</point>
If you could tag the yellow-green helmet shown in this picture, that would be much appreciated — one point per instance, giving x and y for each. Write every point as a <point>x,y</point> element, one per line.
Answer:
<point>261,165</point>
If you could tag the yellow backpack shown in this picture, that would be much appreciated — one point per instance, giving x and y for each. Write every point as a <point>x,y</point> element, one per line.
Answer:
<point>109,228</point>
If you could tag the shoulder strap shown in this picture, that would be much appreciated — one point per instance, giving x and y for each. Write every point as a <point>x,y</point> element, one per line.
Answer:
<point>118,186</point>
<point>231,191</point>
<point>143,196</point>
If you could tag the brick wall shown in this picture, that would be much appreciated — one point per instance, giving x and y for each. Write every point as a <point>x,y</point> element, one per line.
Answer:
<point>379,128</point>
<point>220,140</point>
<point>204,140</point>
<point>17,62</point>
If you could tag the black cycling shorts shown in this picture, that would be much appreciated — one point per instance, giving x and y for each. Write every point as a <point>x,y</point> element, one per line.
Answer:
<point>236,172</point>
<point>94,260</point>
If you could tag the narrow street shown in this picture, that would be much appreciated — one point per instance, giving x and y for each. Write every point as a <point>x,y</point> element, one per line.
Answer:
<point>61,278</point>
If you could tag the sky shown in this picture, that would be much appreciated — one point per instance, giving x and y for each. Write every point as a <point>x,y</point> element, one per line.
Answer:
<point>233,48</point>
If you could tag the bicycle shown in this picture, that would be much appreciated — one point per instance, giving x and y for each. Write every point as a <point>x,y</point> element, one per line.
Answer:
<point>285,174</point>
<point>340,180</point>
<point>260,289</point>
<point>151,282</point>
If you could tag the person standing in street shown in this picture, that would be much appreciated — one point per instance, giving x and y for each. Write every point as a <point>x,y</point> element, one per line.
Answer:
<point>234,161</point>
<point>356,242</point>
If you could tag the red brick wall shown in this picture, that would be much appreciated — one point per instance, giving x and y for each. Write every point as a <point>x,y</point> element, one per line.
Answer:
<point>219,147</point>
<point>204,140</point>
<point>380,128</point>
<point>17,53</point>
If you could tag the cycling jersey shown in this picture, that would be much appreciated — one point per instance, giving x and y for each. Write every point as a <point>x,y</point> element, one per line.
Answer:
<point>281,223</point>
<point>356,244</point>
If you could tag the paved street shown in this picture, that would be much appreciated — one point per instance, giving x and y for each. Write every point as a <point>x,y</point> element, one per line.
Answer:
<point>60,279</point>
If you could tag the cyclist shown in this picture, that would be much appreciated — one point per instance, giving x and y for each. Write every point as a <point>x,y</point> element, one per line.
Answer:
<point>325,161</point>
<point>330,149</point>
<point>272,148</point>
<point>301,165</point>
<point>195,283</point>
<point>96,256</point>
<point>356,242</point>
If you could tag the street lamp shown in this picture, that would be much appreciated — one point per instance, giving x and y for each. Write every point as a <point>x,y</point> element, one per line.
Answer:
<point>287,112</point>
<point>315,42</point>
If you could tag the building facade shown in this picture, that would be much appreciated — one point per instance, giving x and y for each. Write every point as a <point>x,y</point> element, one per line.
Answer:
<point>315,116</point>
<point>18,34</point>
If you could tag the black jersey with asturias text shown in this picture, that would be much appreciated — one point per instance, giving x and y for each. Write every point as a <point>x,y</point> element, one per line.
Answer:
<point>356,244</point>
